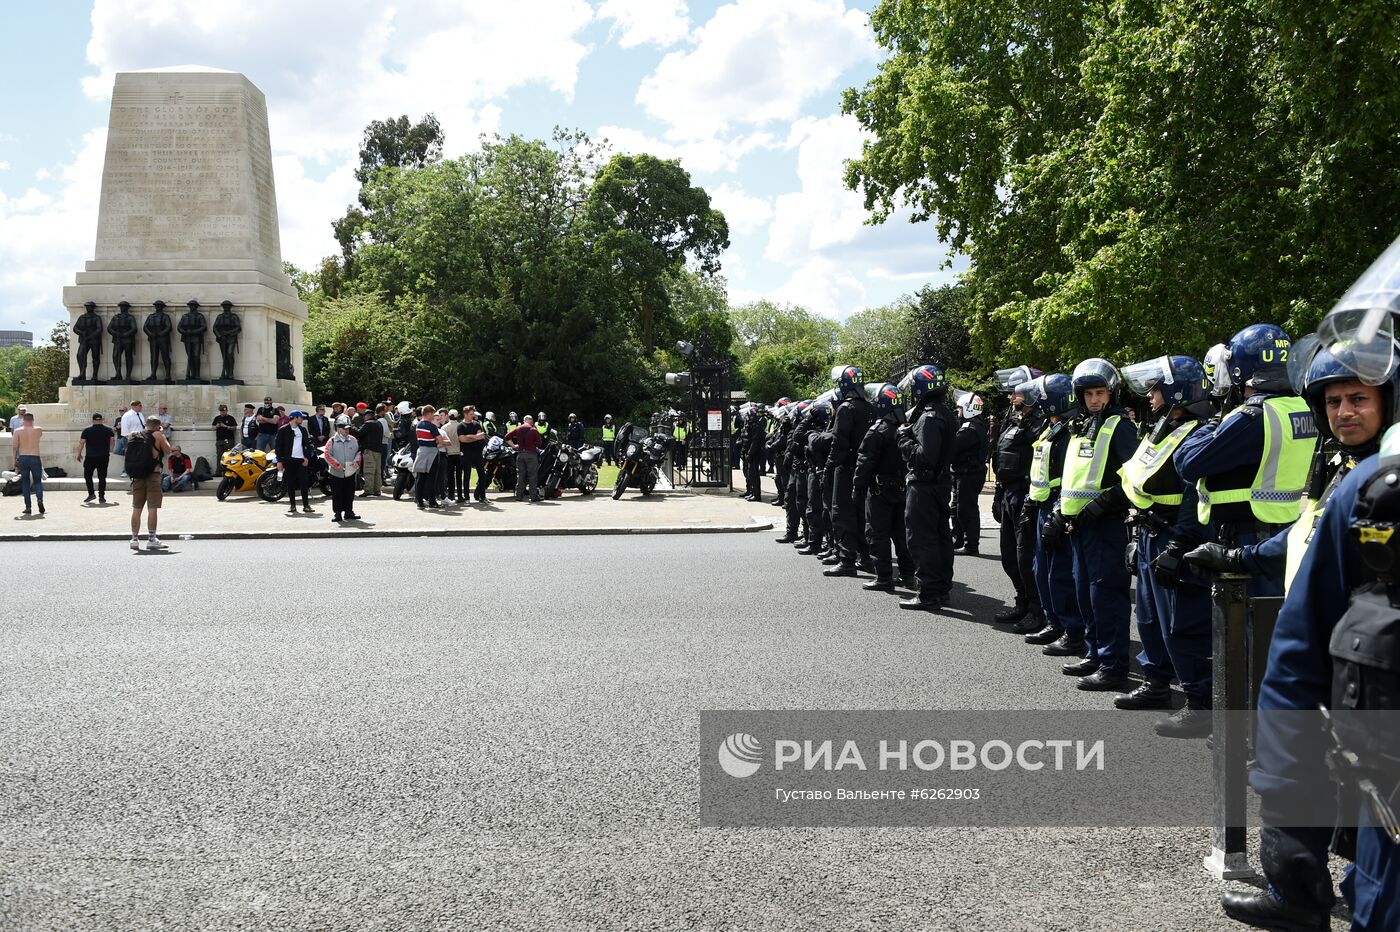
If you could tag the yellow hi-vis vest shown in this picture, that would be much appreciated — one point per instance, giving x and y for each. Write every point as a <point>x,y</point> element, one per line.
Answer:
<point>1301,534</point>
<point>1147,462</point>
<point>609,433</point>
<point>1277,489</point>
<point>679,433</point>
<point>1086,461</point>
<point>1042,483</point>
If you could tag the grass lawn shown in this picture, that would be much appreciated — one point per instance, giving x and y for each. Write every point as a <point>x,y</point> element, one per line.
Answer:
<point>607,476</point>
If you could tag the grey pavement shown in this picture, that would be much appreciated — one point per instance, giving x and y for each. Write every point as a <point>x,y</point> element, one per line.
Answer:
<point>470,733</point>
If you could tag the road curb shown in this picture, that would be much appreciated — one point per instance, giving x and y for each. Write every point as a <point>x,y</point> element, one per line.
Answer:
<point>349,531</point>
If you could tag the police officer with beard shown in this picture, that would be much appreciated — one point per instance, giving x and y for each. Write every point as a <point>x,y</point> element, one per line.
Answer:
<point>879,478</point>
<point>969,474</point>
<point>1337,644</point>
<point>926,444</point>
<point>853,418</point>
<point>1011,465</point>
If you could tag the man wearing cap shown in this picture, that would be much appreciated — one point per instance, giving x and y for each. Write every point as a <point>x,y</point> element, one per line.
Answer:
<point>225,432</point>
<point>249,426</point>
<point>95,445</point>
<point>267,425</point>
<point>18,419</point>
<point>293,445</point>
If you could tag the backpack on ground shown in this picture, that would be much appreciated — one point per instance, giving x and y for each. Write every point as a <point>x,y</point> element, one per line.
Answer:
<point>12,486</point>
<point>202,472</point>
<point>55,472</point>
<point>140,459</point>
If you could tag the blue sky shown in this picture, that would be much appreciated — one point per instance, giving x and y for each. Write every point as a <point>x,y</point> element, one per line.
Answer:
<point>745,93</point>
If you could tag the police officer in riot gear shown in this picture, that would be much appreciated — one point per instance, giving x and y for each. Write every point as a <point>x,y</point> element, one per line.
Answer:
<point>926,443</point>
<point>1334,644</point>
<point>1064,631</point>
<point>1091,511</point>
<point>879,478</point>
<point>1251,470</point>
<point>852,418</point>
<point>818,447</point>
<point>1173,608</point>
<point>795,468</point>
<point>1350,416</point>
<point>777,449</point>
<point>969,468</point>
<point>755,436</point>
<point>1011,466</point>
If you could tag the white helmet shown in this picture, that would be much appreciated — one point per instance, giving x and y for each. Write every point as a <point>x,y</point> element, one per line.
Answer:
<point>540,417</point>
<point>490,415</point>
<point>404,408</point>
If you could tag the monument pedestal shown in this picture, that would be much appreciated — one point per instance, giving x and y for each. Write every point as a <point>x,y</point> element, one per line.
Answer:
<point>188,212</point>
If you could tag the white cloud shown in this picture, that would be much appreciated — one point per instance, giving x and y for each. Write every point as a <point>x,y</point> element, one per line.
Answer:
<point>755,61</point>
<point>641,22</point>
<point>45,236</point>
<point>819,230</point>
<point>696,155</point>
<point>4,166</point>
<point>328,67</point>
<point>744,212</point>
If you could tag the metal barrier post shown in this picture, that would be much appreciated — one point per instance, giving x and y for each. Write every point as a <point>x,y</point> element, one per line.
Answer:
<point>1231,668</point>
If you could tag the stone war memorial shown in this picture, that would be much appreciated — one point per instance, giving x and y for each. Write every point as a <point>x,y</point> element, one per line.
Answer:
<point>184,301</point>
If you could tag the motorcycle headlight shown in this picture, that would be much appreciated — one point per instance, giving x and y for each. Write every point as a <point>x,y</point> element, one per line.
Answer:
<point>632,450</point>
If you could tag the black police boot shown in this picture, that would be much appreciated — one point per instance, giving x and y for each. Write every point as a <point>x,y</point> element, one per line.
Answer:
<point>1067,645</point>
<point>841,569</point>
<point>1152,694</point>
<point>785,539</point>
<point>864,565</point>
<point>909,580</point>
<point>1101,681</point>
<point>966,550</point>
<point>917,604</point>
<point>1082,667</point>
<point>1031,624</point>
<point>833,559</point>
<point>1046,635</point>
<point>1263,910</point>
<point>1192,720</point>
<point>1011,615</point>
<point>880,584</point>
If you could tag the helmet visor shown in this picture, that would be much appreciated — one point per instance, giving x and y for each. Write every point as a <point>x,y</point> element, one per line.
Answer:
<point>872,390</point>
<point>906,384</point>
<point>1008,379</point>
<point>1142,377</point>
<point>1362,340</point>
<point>1300,357</point>
<point>1033,391</point>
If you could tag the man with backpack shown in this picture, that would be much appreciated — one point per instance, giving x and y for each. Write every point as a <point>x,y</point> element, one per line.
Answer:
<point>144,452</point>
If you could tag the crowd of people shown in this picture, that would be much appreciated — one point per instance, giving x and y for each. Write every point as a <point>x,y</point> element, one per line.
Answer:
<point>1260,460</point>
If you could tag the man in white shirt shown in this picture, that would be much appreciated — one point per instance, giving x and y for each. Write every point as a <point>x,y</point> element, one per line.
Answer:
<point>167,425</point>
<point>133,421</point>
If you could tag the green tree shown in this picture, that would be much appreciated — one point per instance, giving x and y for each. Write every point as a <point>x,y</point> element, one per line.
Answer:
<point>878,339</point>
<point>649,220</point>
<point>46,370</point>
<point>13,361</point>
<point>1138,177</point>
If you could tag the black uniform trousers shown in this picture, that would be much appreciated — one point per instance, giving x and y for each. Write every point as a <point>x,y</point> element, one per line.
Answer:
<point>816,511</point>
<point>967,520</point>
<point>848,517</point>
<point>884,525</point>
<point>927,527</point>
<point>753,470</point>
<point>1018,547</point>
<point>796,502</point>
<point>780,474</point>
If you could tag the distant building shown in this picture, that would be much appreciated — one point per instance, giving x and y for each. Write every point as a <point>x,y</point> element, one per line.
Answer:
<point>16,338</point>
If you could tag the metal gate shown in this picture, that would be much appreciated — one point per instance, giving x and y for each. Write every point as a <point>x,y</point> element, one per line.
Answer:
<point>708,441</point>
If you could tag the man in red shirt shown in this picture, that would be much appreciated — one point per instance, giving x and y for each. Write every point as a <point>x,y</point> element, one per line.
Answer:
<point>528,442</point>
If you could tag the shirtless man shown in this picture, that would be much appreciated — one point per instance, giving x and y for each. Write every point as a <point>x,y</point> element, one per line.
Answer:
<point>25,442</point>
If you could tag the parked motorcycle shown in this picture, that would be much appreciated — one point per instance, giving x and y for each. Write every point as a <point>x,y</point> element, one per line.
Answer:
<point>499,464</point>
<point>271,487</point>
<point>641,455</point>
<point>563,466</point>
<point>242,468</point>
<point>402,462</point>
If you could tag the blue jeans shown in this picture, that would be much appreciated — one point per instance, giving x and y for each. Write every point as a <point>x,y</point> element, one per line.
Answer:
<point>265,442</point>
<point>31,476</point>
<point>184,483</point>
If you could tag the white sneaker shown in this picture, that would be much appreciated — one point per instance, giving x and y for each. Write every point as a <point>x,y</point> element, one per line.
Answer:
<point>136,543</point>
<point>153,543</point>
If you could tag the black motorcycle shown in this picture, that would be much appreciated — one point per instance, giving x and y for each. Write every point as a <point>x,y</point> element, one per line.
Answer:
<point>640,457</point>
<point>498,464</point>
<point>562,466</point>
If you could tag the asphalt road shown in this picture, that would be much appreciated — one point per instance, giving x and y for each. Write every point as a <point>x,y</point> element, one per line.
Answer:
<point>492,733</point>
